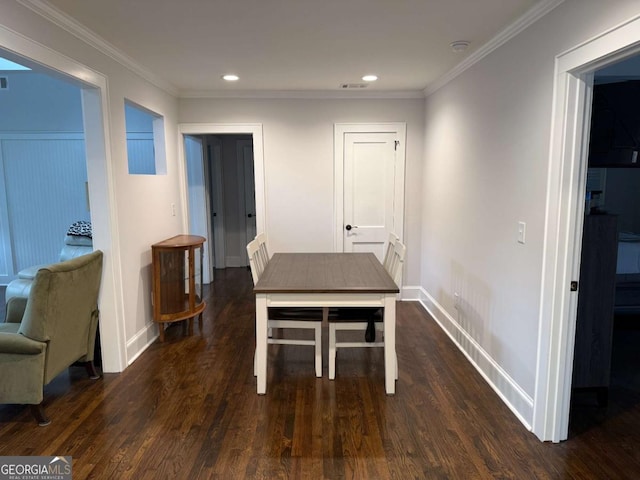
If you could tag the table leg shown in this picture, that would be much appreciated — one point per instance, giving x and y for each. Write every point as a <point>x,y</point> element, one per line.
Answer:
<point>390,365</point>
<point>261,343</point>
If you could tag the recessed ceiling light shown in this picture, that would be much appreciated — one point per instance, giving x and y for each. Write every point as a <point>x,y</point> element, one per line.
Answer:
<point>459,46</point>
<point>370,78</point>
<point>231,77</point>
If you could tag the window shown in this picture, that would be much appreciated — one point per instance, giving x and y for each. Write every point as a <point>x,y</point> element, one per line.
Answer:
<point>145,141</point>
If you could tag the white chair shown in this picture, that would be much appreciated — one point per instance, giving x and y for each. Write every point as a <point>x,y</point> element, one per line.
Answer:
<point>287,318</point>
<point>261,238</point>
<point>263,258</point>
<point>388,255</point>
<point>360,318</point>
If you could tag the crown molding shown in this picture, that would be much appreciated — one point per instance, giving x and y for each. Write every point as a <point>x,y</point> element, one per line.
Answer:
<point>70,25</point>
<point>75,28</point>
<point>532,15</point>
<point>301,94</point>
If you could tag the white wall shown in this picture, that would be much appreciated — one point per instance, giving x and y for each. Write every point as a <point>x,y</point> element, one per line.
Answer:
<point>487,137</point>
<point>142,209</point>
<point>298,157</point>
<point>39,103</point>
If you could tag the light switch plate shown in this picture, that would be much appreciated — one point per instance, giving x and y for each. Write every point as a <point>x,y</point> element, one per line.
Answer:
<point>522,229</point>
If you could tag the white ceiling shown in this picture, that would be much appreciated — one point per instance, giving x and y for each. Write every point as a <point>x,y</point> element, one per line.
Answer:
<point>294,45</point>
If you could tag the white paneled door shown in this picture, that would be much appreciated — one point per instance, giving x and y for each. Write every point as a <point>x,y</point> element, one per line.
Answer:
<point>371,158</point>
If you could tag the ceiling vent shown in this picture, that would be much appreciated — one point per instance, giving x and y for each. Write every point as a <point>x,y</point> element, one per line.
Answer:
<point>354,85</point>
<point>4,83</point>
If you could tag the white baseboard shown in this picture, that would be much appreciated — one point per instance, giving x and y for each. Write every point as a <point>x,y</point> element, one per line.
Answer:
<point>518,401</point>
<point>141,341</point>
<point>411,293</point>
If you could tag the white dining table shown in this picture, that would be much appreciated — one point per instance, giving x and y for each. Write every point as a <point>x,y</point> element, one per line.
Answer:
<point>326,280</point>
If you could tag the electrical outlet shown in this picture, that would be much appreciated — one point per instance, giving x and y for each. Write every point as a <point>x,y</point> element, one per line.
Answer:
<point>456,300</point>
<point>173,209</point>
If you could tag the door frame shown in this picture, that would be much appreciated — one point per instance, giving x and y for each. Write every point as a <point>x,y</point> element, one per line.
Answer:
<point>566,185</point>
<point>95,112</point>
<point>253,129</point>
<point>340,130</point>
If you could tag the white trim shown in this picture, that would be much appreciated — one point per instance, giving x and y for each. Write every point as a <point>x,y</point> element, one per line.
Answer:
<point>104,218</point>
<point>253,129</point>
<point>303,94</point>
<point>75,28</point>
<point>29,51</point>
<point>563,223</point>
<point>101,184</point>
<point>505,387</point>
<point>411,293</point>
<point>159,145</point>
<point>141,341</point>
<point>340,129</point>
<point>139,135</point>
<point>532,15</point>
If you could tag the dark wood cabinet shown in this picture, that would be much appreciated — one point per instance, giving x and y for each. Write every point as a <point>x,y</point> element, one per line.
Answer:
<point>177,280</point>
<point>596,299</point>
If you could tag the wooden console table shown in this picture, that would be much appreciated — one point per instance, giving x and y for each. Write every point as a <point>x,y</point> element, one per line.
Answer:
<point>177,281</point>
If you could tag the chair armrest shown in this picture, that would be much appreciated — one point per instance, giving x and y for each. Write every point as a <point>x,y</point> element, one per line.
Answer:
<point>29,273</point>
<point>15,309</point>
<point>16,343</point>
<point>73,251</point>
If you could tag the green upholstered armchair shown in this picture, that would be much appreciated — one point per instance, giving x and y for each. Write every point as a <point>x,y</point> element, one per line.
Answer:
<point>56,329</point>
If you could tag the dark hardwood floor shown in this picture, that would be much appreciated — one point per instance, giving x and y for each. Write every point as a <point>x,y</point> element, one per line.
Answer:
<point>187,409</point>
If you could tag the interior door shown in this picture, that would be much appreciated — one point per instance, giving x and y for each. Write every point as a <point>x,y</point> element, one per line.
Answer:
<point>370,169</point>
<point>244,149</point>
<point>216,181</point>
<point>198,199</point>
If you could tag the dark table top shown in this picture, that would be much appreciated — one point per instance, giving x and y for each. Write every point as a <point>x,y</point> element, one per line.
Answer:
<point>325,273</point>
